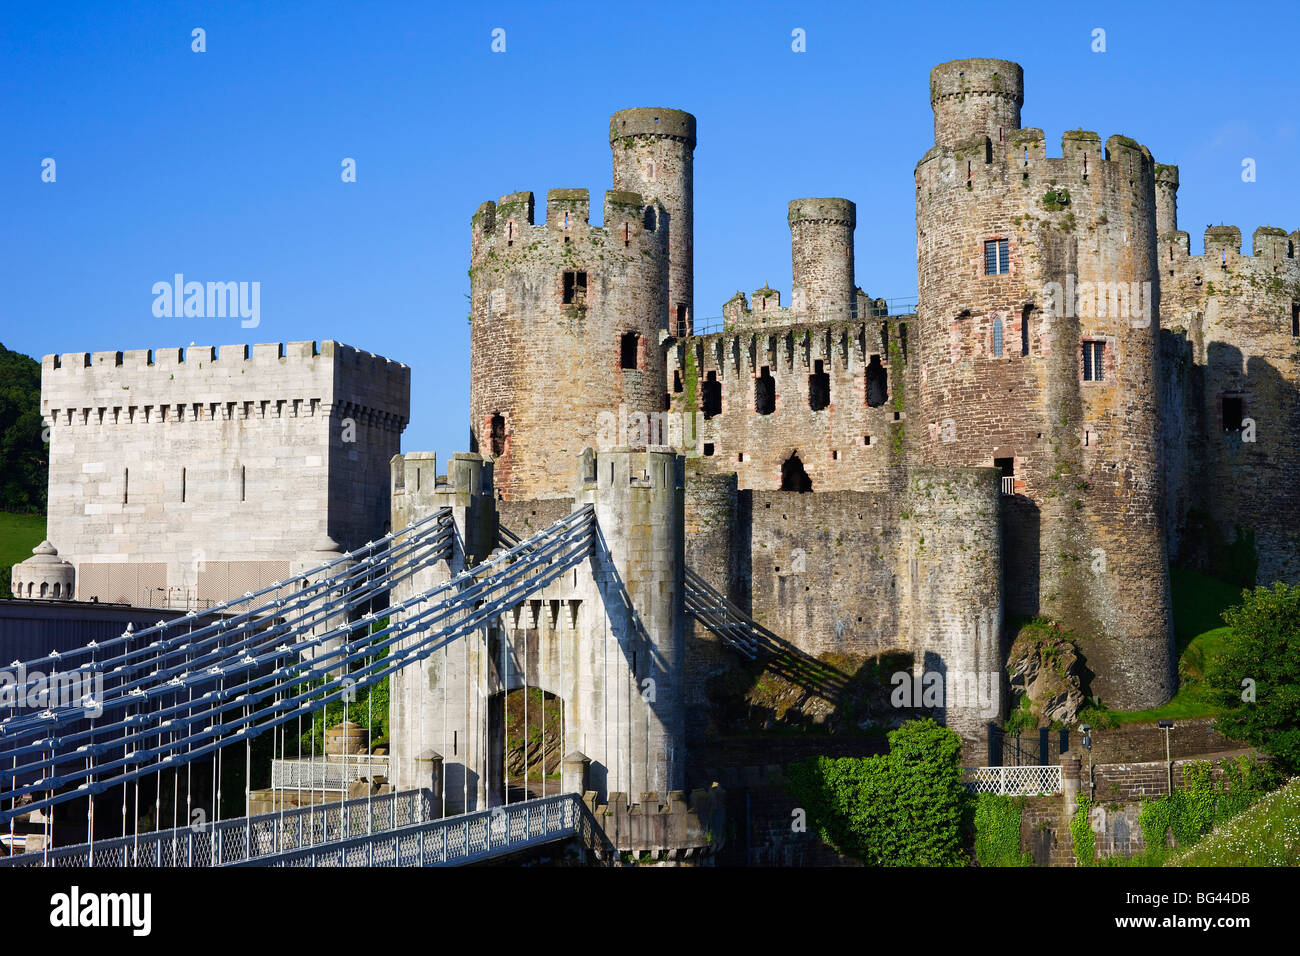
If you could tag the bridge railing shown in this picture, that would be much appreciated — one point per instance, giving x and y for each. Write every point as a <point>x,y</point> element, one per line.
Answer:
<point>455,841</point>
<point>244,839</point>
<point>331,775</point>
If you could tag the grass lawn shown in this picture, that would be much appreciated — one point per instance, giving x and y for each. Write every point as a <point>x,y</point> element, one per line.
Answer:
<point>18,535</point>
<point>1199,634</point>
<point>1267,834</point>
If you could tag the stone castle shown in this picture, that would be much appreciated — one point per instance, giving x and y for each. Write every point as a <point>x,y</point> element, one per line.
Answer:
<point>1076,402</point>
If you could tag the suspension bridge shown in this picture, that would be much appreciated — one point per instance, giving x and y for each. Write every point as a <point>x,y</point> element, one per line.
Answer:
<point>172,708</point>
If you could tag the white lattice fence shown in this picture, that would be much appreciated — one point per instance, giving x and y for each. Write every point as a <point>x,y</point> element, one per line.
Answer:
<point>1015,781</point>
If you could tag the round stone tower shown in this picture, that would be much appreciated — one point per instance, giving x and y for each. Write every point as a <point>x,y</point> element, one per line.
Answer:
<point>653,155</point>
<point>976,97</point>
<point>1166,199</point>
<point>821,252</point>
<point>1037,333</point>
<point>564,326</point>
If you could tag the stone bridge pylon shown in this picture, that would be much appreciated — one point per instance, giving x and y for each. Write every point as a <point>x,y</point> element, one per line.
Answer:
<point>606,638</point>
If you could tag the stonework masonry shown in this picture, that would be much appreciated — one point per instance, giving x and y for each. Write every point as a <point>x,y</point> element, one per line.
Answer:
<point>195,475</point>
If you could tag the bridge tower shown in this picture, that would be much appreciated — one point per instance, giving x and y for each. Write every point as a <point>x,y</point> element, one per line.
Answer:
<point>607,638</point>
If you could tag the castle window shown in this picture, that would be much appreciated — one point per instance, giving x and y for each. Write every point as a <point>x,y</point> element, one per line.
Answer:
<point>1233,412</point>
<point>877,383</point>
<point>677,380</point>
<point>765,392</point>
<point>793,475</point>
<point>510,232</point>
<point>996,262</point>
<point>708,449</point>
<point>1295,318</point>
<point>681,320</point>
<point>497,433</point>
<point>997,338</point>
<point>711,394</point>
<point>650,222</point>
<point>1094,361</point>
<point>627,235</point>
<point>1026,328</point>
<point>628,349</point>
<point>126,485</point>
<point>182,485</point>
<point>819,387</point>
<point>1008,468</point>
<point>884,338</point>
<point>575,288</point>
<point>902,340</point>
<point>243,484</point>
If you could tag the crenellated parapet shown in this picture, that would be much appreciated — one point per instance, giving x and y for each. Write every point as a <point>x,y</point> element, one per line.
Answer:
<point>232,382</point>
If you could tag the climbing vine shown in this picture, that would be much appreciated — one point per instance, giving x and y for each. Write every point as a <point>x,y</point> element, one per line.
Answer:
<point>997,831</point>
<point>1084,840</point>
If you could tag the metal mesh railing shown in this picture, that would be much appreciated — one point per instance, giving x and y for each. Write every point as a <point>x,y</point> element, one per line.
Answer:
<point>453,841</point>
<point>334,774</point>
<point>244,839</point>
<point>1014,781</point>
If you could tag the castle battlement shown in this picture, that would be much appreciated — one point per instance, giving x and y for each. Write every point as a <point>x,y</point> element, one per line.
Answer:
<point>1274,251</point>
<point>1084,162</point>
<point>509,223</point>
<point>206,383</point>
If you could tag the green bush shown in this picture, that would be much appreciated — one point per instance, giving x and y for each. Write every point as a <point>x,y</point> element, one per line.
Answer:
<point>997,831</point>
<point>903,808</point>
<point>1260,662</point>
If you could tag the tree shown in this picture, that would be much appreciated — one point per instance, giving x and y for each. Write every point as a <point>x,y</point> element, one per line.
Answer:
<point>1257,676</point>
<point>24,455</point>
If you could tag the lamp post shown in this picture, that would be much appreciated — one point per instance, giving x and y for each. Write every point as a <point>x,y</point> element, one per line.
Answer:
<point>1166,726</point>
<point>1087,745</point>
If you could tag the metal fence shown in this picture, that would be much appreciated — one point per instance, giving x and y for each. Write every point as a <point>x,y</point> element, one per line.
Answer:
<point>456,841</point>
<point>1016,781</point>
<point>245,839</point>
<point>332,775</point>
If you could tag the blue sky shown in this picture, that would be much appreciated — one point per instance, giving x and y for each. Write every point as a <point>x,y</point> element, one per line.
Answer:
<point>225,165</point>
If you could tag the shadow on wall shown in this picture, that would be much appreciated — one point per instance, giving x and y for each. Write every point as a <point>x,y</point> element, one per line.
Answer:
<point>1243,503</point>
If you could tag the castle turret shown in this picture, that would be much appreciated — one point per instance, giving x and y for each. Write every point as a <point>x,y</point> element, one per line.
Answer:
<point>821,252</point>
<point>1037,330</point>
<point>1166,199</point>
<point>653,156</point>
<point>974,98</point>
<point>565,322</point>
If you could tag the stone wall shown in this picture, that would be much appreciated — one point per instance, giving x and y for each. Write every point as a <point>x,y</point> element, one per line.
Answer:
<point>170,464</point>
<point>844,430</point>
<point>1232,321</point>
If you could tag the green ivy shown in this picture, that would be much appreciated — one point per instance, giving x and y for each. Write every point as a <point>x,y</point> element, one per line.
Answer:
<point>997,831</point>
<point>903,808</point>
<point>1084,840</point>
<point>1192,811</point>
